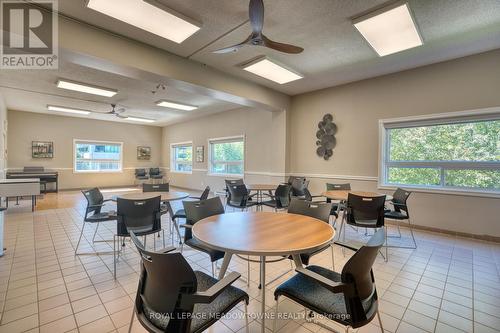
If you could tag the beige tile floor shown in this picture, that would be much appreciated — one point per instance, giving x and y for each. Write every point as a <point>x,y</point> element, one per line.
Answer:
<point>448,284</point>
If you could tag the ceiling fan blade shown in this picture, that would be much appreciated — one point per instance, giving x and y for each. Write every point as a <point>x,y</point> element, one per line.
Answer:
<point>233,48</point>
<point>286,48</point>
<point>256,13</point>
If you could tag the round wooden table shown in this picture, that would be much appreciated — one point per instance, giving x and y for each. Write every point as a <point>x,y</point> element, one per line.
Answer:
<point>262,234</point>
<point>343,194</point>
<point>165,196</point>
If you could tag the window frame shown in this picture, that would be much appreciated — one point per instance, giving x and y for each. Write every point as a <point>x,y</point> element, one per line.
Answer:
<point>428,120</point>
<point>227,139</point>
<point>173,160</point>
<point>94,142</point>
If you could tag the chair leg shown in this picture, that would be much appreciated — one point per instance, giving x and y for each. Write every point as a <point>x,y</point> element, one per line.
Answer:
<point>246,317</point>
<point>386,247</point>
<point>131,321</point>
<point>95,232</point>
<point>275,314</point>
<point>178,231</point>
<point>411,233</point>
<point>380,322</point>
<point>213,269</point>
<point>79,239</point>
<point>114,255</point>
<point>163,232</point>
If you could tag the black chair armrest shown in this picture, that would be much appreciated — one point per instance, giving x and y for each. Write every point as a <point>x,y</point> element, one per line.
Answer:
<point>350,246</point>
<point>211,293</point>
<point>187,226</point>
<point>166,249</point>
<point>107,200</point>
<point>333,286</point>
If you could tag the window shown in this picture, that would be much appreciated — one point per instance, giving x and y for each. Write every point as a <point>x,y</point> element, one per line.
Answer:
<point>449,153</point>
<point>182,157</point>
<point>93,156</point>
<point>226,156</point>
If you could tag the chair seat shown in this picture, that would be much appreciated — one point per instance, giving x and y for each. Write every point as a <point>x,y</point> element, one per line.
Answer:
<point>156,176</point>
<point>100,217</point>
<point>204,315</point>
<point>314,296</point>
<point>142,177</point>
<point>249,204</point>
<point>395,215</point>
<point>180,214</point>
<point>214,254</point>
<point>270,203</point>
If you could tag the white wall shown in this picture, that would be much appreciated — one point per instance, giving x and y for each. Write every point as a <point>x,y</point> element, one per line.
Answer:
<point>463,84</point>
<point>3,137</point>
<point>265,138</point>
<point>25,127</point>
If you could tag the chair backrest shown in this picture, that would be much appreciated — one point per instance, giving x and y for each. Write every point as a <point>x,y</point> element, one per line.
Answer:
<point>333,187</point>
<point>165,279</point>
<point>399,198</point>
<point>365,211</point>
<point>198,210</point>
<point>230,182</point>
<point>206,192</point>
<point>320,211</point>
<point>155,187</point>
<point>291,179</point>
<point>139,216</point>
<point>282,195</point>
<point>94,198</point>
<point>361,301</point>
<point>238,195</point>
<point>154,171</point>
<point>140,172</point>
<point>298,187</point>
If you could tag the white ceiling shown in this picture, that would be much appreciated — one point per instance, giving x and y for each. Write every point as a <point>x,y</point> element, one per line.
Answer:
<point>33,90</point>
<point>335,53</point>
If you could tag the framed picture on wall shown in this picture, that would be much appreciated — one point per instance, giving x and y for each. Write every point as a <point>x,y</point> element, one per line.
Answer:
<point>143,153</point>
<point>42,149</point>
<point>200,153</point>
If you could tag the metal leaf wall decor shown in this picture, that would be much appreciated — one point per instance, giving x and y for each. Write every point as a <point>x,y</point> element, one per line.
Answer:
<point>326,137</point>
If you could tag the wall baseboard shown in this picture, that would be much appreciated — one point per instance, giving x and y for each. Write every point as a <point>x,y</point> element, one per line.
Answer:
<point>487,238</point>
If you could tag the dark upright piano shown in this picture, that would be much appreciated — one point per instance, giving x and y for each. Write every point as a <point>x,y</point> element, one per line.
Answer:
<point>46,176</point>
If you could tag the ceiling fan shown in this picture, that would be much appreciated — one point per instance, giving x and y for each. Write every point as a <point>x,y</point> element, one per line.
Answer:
<point>117,112</point>
<point>257,38</point>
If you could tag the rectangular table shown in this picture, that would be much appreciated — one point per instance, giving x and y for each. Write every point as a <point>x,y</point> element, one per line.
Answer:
<point>20,188</point>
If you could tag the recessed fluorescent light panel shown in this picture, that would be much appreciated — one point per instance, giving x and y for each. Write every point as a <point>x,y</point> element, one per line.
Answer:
<point>174,105</point>
<point>271,70</point>
<point>142,120</point>
<point>149,15</point>
<point>390,29</point>
<point>67,110</point>
<point>86,88</point>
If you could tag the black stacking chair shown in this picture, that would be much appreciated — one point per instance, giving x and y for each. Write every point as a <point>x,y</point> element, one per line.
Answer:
<point>193,300</point>
<point>348,298</point>
<point>143,217</point>
<point>320,211</point>
<point>181,214</point>
<point>230,182</point>
<point>239,197</point>
<point>299,185</point>
<point>280,199</point>
<point>198,210</point>
<point>364,212</point>
<point>140,174</point>
<point>94,213</point>
<point>158,188</point>
<point>400,213</point>
<point>338,206</point>
<point>155,174</point>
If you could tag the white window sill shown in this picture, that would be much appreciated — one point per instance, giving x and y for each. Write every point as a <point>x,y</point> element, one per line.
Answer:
<point>182,172</point>
<point>441,190</point>
<point>96,172</point>
<point>226,175</point>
